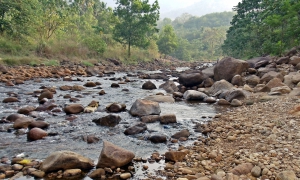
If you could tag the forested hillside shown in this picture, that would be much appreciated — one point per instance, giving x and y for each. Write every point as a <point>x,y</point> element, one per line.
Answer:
<point>199,38</point>
<point>77,30</point>
<point>263,27</point>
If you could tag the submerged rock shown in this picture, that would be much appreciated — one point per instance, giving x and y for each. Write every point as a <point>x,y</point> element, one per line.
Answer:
<point>136,129</point>
<point>161,99</point>
<point>110,120</point>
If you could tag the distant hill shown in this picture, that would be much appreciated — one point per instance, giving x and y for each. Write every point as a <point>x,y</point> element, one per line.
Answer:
<point>201,8</point>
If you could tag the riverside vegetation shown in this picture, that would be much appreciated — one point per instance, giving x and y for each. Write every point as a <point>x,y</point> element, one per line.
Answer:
<point>255,135</point>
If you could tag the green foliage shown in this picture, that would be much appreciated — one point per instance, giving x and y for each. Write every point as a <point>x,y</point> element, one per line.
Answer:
<point>16,17</point>
<point>77,30</point>
<point>137,22</point>
<point>200,38</point>
<point>167,42</point>
<point>95,43</point>
<point>263,27</point>
<point>9,47</point>
<point>51,63</point>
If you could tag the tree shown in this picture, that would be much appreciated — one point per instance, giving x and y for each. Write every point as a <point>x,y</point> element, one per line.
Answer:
<point>167,42</point>
<point>137,22</point>
<point>54,16</point>
<point>263,27</point>
<point>16,17</point>
<point>182,50</point>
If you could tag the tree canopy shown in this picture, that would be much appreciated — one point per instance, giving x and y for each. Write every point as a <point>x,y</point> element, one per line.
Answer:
<point>263,27</point>
<point>137,22</point>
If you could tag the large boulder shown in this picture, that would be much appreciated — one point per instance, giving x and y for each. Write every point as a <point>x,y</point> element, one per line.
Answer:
<point>283,60</point>
<point>74,109</point>
<point>258,62</point>
<point>111,120</point>
<point>228,67</point>
<point>252,80</point>
<point>194,95</point>
<point>169,87</point>
<point>271,75</point>
<point>149,85</point>
<point>220,87</point>
<point>185,133</point>
<point>288,79</point>
<point>237,80</point>
<point>296,78</point>
<point>286,175</point>
<point>114,156</point>
<point>191,79</point>
<point>235,94</point>
<point>136,129</point>
<point>209,72</point>
<point>295,60</point>
<point>272,84</point>
<point>143,107</point>
<point>160,99</point>
<point>63,160</point>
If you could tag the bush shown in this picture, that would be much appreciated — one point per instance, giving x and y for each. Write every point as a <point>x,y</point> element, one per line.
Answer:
<point>9,47</point>
<point>95,43</point>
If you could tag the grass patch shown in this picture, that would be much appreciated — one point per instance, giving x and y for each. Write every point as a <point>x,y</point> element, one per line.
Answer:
<point>51,63</point>
<point>87,63</point>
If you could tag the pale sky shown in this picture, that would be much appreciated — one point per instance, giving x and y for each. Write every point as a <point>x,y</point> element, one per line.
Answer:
<point>173,5</point>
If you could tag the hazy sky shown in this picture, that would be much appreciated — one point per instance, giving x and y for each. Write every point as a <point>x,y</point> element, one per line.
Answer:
<point>169,5</point>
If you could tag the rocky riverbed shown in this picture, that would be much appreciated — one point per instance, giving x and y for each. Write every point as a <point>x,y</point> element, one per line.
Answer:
<point>251,132</point>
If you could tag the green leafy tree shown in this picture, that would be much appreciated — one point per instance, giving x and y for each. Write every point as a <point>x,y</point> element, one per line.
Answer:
<point>167,42</point>
<point>263,27</point>
<point>182,52</point>
<point>16,17</point>
<point>137,22</point>
<point>54,16</point>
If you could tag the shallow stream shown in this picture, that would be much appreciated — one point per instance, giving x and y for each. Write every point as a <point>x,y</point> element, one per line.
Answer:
<point>69,134</point>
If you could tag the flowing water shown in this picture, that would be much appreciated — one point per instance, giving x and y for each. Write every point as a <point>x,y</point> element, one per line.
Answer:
<point>68,135</point>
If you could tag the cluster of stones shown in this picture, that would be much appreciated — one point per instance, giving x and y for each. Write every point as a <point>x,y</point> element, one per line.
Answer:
<point>253,142</point>
<point>68,164</point>
<point>258,141</point>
